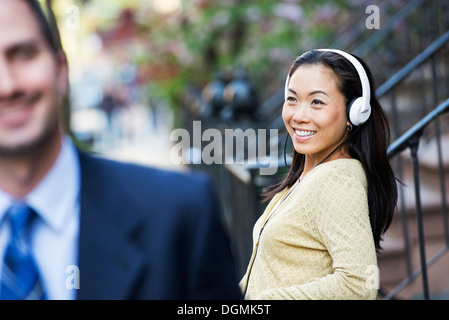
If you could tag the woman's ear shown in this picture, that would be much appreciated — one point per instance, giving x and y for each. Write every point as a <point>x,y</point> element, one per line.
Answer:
<point>348,126</point>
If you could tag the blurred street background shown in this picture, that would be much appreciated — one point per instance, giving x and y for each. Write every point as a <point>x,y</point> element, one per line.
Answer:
<point>136,63</point>
<point>141,68</point>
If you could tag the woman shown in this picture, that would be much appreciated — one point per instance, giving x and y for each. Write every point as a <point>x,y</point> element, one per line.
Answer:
<point>320,233</point>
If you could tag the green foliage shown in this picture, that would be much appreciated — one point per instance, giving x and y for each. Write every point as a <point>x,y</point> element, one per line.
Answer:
<point>189,47</point>
<point>263,37</point>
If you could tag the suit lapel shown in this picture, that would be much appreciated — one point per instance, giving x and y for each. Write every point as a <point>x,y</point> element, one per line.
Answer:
<point>109,262</point>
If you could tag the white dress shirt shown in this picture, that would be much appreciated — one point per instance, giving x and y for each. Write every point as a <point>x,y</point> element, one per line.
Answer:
<point>55,234</point>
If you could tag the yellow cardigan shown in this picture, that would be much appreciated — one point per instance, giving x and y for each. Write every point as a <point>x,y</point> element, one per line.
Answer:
<point>318,243</point>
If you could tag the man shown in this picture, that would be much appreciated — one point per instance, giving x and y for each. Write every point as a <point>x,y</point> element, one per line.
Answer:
<point>100,229</point>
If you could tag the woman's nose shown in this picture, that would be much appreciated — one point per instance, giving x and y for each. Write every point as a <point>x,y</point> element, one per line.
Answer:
<point>301,113</point>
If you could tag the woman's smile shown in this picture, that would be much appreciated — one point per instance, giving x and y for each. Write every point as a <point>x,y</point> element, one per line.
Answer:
<point>302,134</point>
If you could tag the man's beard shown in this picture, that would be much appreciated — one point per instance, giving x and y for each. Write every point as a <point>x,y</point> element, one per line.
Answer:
<point>39,142</point>
<point>31,147</point>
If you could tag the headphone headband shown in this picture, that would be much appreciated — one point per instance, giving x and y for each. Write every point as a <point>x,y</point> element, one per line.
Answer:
<point>360,109</point>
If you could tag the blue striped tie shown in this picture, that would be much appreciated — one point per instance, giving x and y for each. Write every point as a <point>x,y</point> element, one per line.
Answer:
<point>20,278</point>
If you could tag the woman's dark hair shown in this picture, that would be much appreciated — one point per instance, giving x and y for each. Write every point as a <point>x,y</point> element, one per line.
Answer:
<point>367,143</point>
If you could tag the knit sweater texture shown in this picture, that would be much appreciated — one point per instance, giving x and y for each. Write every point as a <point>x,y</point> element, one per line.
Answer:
<point>317,242</point>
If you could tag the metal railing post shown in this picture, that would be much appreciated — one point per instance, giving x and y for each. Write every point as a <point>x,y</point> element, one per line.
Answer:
<point>414,144</point>
<point>441,169</point>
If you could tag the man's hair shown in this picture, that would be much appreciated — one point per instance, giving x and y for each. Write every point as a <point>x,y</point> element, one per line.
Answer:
<point>51,36</point>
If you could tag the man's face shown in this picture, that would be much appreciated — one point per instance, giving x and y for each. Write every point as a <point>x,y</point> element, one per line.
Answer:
<point>33,81</point>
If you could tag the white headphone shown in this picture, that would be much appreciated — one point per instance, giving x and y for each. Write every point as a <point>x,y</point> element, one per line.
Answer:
<point>358,109</point>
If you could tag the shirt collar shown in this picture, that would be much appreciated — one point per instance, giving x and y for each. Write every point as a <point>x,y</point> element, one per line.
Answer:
<point>57,195</point>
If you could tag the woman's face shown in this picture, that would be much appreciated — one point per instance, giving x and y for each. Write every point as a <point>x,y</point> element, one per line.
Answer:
<point>314,112</point>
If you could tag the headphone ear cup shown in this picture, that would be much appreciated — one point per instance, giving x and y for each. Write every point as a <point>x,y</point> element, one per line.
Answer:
<point>354,112</point>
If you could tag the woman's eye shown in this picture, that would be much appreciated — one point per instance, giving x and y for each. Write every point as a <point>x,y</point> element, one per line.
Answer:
<point>317,101</point>
<point>291,99</point>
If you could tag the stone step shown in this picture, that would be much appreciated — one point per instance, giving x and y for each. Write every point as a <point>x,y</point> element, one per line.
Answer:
<point>392,260</point>
<point>393,271</point>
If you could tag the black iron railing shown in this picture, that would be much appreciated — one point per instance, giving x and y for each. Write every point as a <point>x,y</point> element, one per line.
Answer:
<point>388,90</point>
<point>411,140</point>
<point>428,61</point>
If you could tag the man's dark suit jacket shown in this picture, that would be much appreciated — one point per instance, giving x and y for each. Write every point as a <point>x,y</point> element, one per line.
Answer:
<point>147,233</point>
